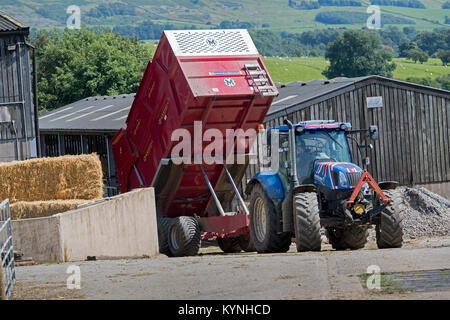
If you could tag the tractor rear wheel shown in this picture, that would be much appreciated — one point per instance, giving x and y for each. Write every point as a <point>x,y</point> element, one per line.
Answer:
<point>184,236</point>
<point>307,222</point>
<point>263,224</point>
<point>163,235</point>
<point>229,245</point>
<point>389,231</point>
<point>353,237</point>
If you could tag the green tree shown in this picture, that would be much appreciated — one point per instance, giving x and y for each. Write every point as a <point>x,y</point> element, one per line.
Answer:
<point>431,42</point>
<point>417,55</point>
<point>358,53</point>
<point>76,64</point>
<point>405,47</point>
<point>444,55</point>
<point>313,53</point>
<point>298,52</point>
<point>442,82</point>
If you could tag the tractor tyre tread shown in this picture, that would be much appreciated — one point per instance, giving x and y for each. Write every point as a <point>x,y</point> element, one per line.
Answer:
<point>389,232</point>
<point>307,222</point>
<point>274,242</point>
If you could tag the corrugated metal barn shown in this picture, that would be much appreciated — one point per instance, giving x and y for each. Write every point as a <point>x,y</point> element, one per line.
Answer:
<point>18,125</point>
<point>84,127</point>
<point>413,120</point>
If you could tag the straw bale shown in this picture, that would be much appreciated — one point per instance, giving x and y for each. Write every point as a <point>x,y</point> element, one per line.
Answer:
<point>57,178</point>
<point>37,209</point>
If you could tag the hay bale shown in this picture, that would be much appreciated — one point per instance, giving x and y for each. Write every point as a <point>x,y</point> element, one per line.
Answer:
<point>58,178</point>
<point>37,209</point>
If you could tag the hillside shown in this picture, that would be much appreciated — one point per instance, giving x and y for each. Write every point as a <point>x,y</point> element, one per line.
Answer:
<point>276,15</point>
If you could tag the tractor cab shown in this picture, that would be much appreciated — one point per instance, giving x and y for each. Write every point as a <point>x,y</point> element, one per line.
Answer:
<point>315,142</point>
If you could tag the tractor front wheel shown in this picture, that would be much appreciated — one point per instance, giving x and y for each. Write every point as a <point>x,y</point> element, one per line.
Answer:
<point>353,237</point>
<point>184,236</point>
<point>389,231</point>
<point>307,222</point>
<point>264,222</point>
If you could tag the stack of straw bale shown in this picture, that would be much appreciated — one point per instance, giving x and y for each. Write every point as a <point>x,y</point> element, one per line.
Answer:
<point>37,209</point>
<point>46,186</point>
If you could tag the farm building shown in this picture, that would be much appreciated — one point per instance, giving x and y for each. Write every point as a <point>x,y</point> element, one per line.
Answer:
<point>84,127</point>
<point>18,105</point>
<point>413,121</point>
<point>414,124</point>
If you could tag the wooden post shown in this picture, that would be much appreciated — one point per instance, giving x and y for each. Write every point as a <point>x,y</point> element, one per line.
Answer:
<point>2,284</point>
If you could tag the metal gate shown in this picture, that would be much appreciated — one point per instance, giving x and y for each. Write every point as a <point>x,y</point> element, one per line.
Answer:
<point>6,248</point>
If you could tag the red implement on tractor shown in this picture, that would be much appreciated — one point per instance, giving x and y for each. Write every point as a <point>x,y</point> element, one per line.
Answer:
<point>197,80</point>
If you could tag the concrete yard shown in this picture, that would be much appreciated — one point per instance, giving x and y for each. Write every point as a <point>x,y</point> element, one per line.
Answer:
<point>213,275</point>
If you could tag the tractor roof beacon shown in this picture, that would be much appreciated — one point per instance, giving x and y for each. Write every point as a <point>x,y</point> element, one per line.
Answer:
<point>318,185</point>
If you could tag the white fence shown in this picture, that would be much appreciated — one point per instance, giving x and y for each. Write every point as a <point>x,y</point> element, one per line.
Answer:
<point>6,248</point>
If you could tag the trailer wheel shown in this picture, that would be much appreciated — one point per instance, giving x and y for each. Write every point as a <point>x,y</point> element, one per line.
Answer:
<point>246,242</point>
<point>307,222</point>
<point>263,224</point>
<point>389,231</point>
<point>163,235</point>
<point>353,237</point>
<point>184,236</point>
<point>229,245</point>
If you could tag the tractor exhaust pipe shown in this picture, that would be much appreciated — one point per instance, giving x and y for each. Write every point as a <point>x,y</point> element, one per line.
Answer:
<point>292,153</point>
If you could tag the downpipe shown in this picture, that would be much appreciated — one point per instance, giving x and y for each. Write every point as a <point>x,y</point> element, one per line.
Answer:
<point>285,215</point>
<point>35,100</point>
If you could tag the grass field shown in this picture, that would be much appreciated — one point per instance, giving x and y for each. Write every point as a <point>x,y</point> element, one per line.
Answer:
<point>305,69</point>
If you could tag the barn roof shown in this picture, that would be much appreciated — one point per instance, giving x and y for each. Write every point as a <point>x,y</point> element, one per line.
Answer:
<point>298,95</point>
<point>109,113</point>
<point>10,25</point>
<point>296,92</point>
<point>100,113</point>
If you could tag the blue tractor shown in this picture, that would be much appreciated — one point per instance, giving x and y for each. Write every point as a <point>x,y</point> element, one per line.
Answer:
<point>318,185</point>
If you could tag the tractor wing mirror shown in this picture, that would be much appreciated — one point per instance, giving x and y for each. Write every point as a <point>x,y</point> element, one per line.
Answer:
<point>373,132</point>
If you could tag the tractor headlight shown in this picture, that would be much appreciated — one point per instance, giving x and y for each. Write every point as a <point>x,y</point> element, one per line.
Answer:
<point>343,180</point>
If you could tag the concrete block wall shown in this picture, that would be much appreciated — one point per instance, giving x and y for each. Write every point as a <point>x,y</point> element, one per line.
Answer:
<point>124,226</point>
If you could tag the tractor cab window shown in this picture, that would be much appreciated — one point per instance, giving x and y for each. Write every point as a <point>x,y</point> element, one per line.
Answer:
<point>284,158</point>
<point>314,145</point>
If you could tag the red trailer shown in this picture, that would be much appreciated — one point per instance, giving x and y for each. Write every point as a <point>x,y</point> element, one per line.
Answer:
<point>218,78</point>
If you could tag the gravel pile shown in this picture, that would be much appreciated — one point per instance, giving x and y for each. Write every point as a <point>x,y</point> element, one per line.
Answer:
<point>427,214</point>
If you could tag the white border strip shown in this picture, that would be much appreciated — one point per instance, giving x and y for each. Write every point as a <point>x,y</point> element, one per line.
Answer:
<point>176,49</point>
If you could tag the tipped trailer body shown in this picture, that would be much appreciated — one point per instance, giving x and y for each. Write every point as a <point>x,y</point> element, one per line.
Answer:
<point>212,78</point>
